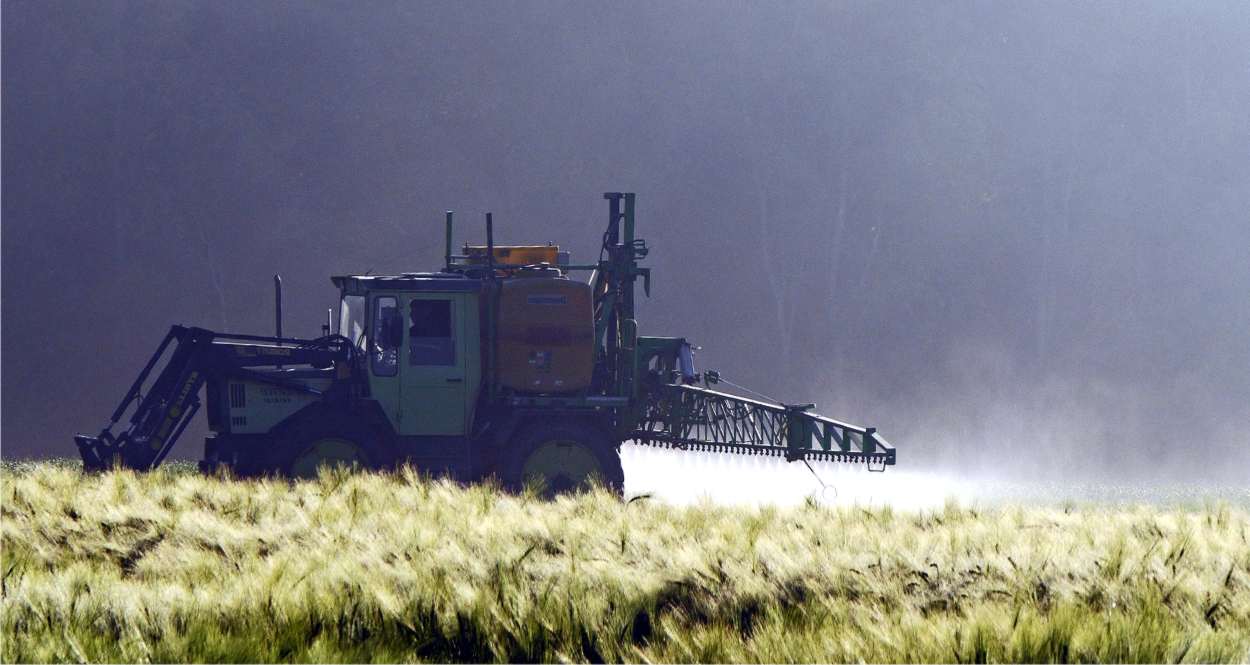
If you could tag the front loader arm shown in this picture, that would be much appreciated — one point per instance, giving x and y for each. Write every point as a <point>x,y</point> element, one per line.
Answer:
<point>159,417</point>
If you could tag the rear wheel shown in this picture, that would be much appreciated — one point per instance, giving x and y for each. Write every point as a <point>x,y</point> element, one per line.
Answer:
<point>562,458</point>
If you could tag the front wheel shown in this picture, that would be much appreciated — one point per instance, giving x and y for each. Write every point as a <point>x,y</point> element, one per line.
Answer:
<point>563,458</point>
<point>331,451</point>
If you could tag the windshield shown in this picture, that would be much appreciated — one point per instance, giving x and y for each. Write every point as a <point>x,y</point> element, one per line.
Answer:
<point>352,318</point>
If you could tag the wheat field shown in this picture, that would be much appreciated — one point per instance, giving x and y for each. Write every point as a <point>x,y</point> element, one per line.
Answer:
<point>172,566</point>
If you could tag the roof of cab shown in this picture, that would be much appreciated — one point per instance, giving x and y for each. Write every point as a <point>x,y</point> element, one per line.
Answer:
<point>409,281</point>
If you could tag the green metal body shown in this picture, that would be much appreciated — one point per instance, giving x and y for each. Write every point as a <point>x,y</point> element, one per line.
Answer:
<point>254,407</point>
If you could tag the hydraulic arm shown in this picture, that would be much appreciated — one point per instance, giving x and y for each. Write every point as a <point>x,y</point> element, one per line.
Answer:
<point>192,355</point>
<point>667,409</point>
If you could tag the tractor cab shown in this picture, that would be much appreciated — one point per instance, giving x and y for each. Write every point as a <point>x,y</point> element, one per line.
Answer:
<point>419,337</point>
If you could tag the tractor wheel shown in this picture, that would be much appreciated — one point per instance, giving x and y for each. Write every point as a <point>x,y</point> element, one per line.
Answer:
<point>562,458</point>
<point>302,449</point>
<point>332,451</point>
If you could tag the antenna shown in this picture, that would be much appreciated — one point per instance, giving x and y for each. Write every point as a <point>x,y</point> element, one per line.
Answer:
<point>447,254</point>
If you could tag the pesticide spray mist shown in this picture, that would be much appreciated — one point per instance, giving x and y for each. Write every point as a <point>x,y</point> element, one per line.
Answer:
<point>685,478</point>
<point>682,477</point>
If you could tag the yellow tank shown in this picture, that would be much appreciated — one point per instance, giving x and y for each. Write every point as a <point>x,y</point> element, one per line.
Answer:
<point>546,334</point>
<point>515,255</point>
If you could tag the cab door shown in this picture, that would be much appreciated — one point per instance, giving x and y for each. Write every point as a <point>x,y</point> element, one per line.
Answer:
<point>384,340</point>
<point>433,365</point>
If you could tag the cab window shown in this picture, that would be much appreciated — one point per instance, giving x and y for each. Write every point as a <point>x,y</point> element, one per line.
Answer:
<point>430,339</point>
<point>352,319</point>
<point>386,336</point>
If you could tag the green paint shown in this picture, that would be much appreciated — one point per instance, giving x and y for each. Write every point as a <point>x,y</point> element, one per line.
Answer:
<point>434,397</point>
<point>266,405</point>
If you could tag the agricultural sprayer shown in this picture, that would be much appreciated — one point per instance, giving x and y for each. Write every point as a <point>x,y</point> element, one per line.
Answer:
<point>499,364</point>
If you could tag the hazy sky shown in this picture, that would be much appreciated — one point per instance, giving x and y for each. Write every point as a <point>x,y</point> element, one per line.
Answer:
<point>1011,235</point>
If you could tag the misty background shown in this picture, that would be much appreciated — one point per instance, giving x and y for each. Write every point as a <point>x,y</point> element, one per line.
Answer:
<point>1013,236</point>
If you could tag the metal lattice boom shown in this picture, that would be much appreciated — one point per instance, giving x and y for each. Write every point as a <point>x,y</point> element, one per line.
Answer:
<point>689,417</point>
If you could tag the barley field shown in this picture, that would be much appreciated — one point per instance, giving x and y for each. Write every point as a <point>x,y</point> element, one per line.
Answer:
<point>172,566</point>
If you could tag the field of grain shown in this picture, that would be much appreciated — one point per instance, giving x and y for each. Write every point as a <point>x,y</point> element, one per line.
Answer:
<point>171,566</point>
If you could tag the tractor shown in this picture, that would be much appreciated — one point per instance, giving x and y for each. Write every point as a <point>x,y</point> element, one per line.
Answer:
<point>500,364</point>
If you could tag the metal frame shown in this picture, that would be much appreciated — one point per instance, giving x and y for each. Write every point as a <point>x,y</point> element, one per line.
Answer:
<point>690,417</point>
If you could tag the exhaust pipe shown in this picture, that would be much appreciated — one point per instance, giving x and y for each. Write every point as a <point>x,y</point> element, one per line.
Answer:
<point>277,307</point>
